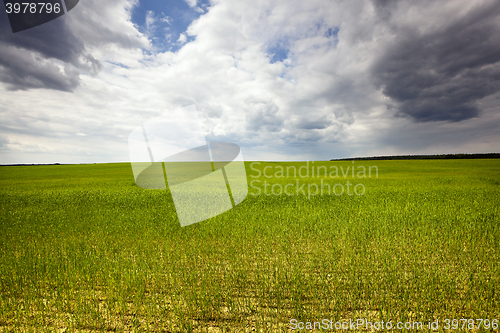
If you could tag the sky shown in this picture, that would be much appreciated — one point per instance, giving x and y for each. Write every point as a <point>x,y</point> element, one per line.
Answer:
<point>285,80</point>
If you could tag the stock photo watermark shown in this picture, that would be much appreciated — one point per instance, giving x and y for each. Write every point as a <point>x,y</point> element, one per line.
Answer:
<point>310,180</point>
<point>365,324</point>
<point>25,14</point>
<point>205,178</point>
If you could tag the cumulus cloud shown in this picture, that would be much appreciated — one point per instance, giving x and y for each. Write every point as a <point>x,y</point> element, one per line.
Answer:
<point>311,95</point>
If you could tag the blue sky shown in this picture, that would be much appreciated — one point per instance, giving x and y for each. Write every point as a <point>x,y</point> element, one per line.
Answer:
<point>165,20</point>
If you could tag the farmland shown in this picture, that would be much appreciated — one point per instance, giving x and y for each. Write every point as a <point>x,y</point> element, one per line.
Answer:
<point>82,248</point>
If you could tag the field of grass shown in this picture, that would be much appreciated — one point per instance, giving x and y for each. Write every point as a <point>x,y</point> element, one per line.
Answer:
<point>82,248</point>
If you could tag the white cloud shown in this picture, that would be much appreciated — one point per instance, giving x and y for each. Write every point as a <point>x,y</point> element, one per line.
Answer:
<point>107,30</point>
<point>150,20</point>
<point>182,38</point>
<point>318,104</point>
<point>191,3</point>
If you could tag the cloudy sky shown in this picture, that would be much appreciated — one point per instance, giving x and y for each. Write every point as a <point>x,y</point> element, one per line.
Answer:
<point>285,79</point>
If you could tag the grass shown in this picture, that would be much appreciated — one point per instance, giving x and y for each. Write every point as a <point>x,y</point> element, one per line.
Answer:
<point>82,248</point>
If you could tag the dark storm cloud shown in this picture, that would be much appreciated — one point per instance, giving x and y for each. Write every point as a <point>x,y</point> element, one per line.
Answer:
<point>312,124</point>
<point>383,8</point>
<point>32,58</point>
<point>26,58</point>
<point>22,70</point>
<point>441,75</point>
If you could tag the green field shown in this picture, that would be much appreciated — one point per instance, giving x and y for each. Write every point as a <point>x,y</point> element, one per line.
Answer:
<point>82,248</point>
